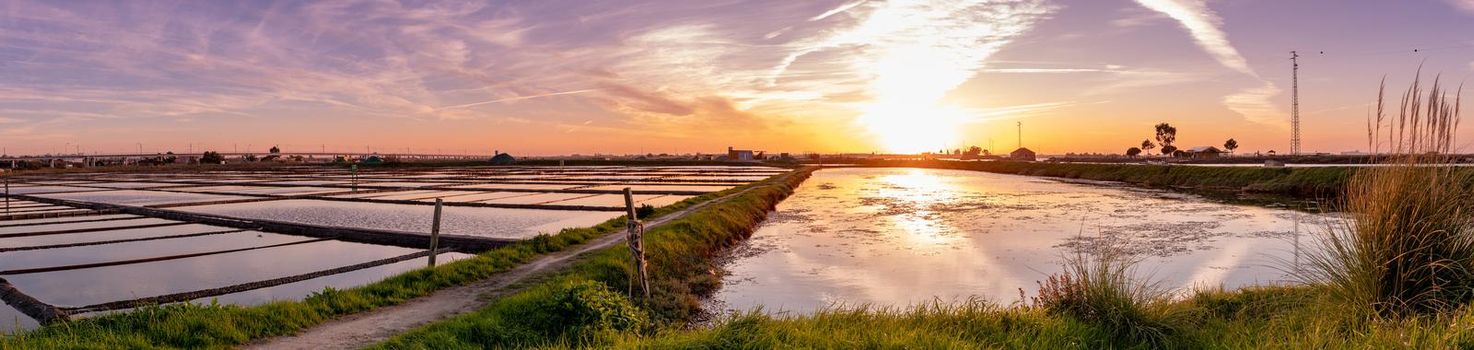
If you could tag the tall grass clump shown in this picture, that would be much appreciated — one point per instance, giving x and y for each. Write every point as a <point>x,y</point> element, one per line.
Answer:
<point>1407,247</point>
<point>1099,288</point>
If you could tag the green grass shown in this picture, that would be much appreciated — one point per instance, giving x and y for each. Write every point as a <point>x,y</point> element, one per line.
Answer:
<point>682,270</point>
<point>1255,318</point>
<point>216,326</point>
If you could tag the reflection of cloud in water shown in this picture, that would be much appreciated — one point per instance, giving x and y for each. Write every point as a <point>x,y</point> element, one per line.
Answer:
<point>898,237</point>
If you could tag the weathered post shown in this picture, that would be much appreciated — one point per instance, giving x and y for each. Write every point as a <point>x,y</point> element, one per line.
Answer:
<point>7,194</point>
<point>40,311</point>
<point>435,233</point>
<point>636,242</point>
<point>355,177</point>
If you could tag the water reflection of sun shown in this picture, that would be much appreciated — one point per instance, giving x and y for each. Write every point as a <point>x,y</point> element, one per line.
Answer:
<point>922,192</point>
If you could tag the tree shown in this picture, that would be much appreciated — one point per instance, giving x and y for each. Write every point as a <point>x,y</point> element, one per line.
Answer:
<point>1231,145</point>
<point>1147,145</point>
<point>1166,135</point>
<point>1132,152</point>
<point>212,157</point>
<point>974,151</point>
<point>275,150</point>
<point>1169,150</point>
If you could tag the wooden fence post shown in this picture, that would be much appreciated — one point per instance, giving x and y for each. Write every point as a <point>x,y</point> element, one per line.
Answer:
<point>435,233</point>
<point>636,240</point>
<point>42,312</point>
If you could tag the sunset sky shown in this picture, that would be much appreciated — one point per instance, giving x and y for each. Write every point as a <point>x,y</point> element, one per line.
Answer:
<point>560,77</point>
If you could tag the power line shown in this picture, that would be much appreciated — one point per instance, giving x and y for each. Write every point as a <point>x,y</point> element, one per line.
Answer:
<point>1295,139</point>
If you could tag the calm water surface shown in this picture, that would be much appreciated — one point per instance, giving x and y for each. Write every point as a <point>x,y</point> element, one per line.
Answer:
<point>898,237</point>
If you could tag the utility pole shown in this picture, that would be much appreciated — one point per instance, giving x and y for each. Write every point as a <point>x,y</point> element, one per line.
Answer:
<point>1294,102</point>
<point>1020,134</point>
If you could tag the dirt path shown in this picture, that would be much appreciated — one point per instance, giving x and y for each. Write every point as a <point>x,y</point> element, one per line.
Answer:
<point>363,329</point>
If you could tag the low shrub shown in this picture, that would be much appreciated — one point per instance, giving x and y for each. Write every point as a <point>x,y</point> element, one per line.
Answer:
<point>1099,289</point>
<point>583,307</point>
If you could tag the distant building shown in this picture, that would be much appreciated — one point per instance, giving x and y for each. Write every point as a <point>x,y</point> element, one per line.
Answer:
<point>1023,154</point>
<point>503,159</point>
<point>1203,152</point>
<point>740,154</point>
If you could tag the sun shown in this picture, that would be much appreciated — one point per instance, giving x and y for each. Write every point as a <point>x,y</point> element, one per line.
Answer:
<point>906,115</point>
<point>910,129</point>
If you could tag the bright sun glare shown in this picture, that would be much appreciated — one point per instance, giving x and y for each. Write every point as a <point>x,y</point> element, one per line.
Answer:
<point>910,80</point>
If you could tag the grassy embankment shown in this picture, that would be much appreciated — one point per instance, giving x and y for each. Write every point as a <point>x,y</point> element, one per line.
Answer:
<point>197,326</point>
<point>1100,307</point>
<point>1306,183</point>
<point>1399,276</point>
<point>585,304</point>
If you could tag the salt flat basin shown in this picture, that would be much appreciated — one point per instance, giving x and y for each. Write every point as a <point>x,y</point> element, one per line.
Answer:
<point>484,222</point>
<point>112,283</point>
<point>136,197</point>
<point>900,237</point>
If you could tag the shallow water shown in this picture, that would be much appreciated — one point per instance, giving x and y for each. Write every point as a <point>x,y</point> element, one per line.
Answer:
<point>135,197</point>
<point>485,222</point>
<point>80,285</point>
<point>899,237</point>
<point>112,283</point>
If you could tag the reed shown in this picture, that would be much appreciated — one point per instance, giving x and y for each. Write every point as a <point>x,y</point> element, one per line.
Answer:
<point>1100,288</point>
<point>1408,246</point>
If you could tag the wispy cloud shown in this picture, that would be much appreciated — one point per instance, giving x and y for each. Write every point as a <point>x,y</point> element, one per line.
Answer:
<point>1048,70</point>
<point>1136,17</point>
<point>837,10</point>
<point>1256,105</point>
<point>1205,26</point>
<point>1019,111</point>
<point>518,98</point>
<point>1466,5</point>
